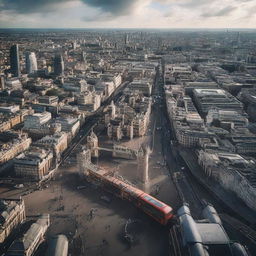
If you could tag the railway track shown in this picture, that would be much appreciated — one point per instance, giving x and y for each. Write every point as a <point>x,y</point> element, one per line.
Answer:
<point>78,139</point>
<point>174,248</point>
<point>91,122</point>
<point>234,224</point>
<point>239,227</point>
<point>187,191</point>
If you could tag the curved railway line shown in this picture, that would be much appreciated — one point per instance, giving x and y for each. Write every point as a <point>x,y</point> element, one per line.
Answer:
<point>91,122</point>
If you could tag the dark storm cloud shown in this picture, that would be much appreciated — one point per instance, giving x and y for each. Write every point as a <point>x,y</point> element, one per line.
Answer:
<point>222,12</point>
<point>27,6</point>
<point>116,7</point>
<point>113,7</point>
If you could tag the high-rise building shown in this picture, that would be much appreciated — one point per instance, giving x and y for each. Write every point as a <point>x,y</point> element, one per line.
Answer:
<point>74,45</point>
<point>2,82</point>
<point>15,60</point>
<point>84,57</point>
<point>126,39</point>
<point>58,65</point>
<point>31,62</point>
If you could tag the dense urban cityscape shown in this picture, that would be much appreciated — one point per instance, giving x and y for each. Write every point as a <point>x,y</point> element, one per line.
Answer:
<point>127,142</point>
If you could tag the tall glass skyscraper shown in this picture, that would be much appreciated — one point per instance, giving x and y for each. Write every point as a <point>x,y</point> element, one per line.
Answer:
<point>58,65</point>
<point>15,60</point>
<point>84,57</point>
<point>31,62</point>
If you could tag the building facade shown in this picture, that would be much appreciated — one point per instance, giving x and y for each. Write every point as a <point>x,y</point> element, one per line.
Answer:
<point>15,60</point>
<point>33,165</point>
<point>28,244</point>
<point>17,144</point>
<point>31,62</point>
<point>58,65</point>
<point>12,213</point>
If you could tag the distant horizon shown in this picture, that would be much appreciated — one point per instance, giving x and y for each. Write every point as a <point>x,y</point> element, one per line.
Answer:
<point>123,28</point>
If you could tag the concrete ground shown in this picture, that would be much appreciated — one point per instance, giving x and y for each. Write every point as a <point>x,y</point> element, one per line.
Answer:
<point>94,226</point>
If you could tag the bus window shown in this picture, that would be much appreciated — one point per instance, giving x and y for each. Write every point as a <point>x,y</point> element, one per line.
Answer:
<point>153,201</point>
<point>152,210</point>
<point>169,215</point>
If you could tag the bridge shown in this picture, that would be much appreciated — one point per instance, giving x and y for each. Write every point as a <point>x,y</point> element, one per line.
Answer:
<point>120,151</point>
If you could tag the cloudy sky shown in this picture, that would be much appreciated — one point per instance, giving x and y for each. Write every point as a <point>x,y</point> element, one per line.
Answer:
<point>128,13</point>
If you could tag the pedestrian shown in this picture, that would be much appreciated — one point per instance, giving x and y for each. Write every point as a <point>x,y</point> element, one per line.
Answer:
<point>104,242</point>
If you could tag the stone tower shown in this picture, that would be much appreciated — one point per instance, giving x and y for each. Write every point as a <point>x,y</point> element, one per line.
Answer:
<point>83,159</point>
<point>142,164</point>
<point>113,110</point>
<point>93,143</point>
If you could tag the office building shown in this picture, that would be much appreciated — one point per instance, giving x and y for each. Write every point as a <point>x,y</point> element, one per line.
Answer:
<point>58,65</point>
<point>232,171</point>
<point>37,120</point>
<point>31,62</point>
<point>48,100</point>
<point>69,124</point>
<point>217,98</point>
<point>12,143</point>
<point>142,86</point>
<point>34,164</point>
<point>12,213</point>
<point>15,60</point>
<point>28,244</point>
<point>248,97</point>
<point>58,142</point>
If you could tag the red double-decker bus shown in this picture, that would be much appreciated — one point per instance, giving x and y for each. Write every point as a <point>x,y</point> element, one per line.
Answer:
<point>158,210</point>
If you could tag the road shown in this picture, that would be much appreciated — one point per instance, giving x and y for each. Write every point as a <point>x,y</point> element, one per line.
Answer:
<point>185,190</point>
<point>191,191</point>
<point>70,207</point>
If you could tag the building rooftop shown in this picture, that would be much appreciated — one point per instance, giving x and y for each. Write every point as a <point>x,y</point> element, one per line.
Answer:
<point>33,156</point>
<point>19,247</point>
<point>209,92</point>
<point>6,208</point>
<point>58,246</point>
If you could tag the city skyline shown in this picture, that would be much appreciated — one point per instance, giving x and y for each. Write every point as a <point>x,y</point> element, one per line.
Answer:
<point>164,14</point>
